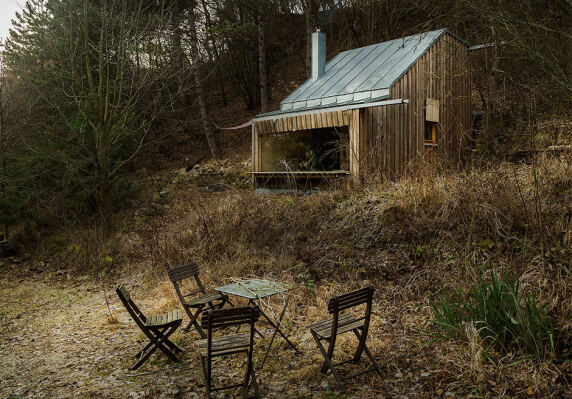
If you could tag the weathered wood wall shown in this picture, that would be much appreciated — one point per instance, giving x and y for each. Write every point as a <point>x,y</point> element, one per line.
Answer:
<point>392,135</point>
<point>304,122</point>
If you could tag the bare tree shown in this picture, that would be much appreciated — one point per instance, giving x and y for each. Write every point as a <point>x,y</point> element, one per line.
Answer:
<point>262,63</point>
<point>3,134</point>
<point>196,61</point>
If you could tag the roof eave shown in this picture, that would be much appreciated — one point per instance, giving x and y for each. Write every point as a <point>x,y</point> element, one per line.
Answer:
<point>334,107</point>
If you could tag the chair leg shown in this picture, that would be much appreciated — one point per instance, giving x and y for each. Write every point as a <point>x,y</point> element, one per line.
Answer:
<point>174,347</point>
<point>207,381</point>
<point>144,356</point>
<point>330,356</point>
<point>328,361</point>
<point>370,355</point>
<point>158,341</point>
<point>158,335</point>
<point>361,338</point>
<point>151,343</point>
<point>142,351</point>
<point>250,373</point>
<point>142,359</point>
<point>146,352</point>
<point>255,383</point>
<point>372,359</point>
<point>246,379</point>
<point>168,342</point>
<point>194,322</point>
<point>164,348</point>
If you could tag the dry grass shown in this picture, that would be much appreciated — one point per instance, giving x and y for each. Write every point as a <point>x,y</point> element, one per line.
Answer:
<point>475,354</point>
<point>411,239</point>
<point>111,320</point>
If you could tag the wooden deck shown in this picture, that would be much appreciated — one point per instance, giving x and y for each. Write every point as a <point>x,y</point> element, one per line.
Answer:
<point>304,173</point>
<point>298,181</point>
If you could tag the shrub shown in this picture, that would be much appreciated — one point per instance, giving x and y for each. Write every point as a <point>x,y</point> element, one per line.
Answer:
<point>500,312</point>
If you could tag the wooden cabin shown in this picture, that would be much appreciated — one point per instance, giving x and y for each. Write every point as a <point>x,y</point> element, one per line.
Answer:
<point>373,109</point>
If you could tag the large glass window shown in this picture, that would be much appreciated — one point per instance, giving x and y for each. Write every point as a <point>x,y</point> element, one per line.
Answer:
<point>323,149</point>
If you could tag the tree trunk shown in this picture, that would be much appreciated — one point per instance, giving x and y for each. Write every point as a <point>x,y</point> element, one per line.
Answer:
<point>196,60</point>
<point>3,232</point>
<point>310,26</point>
<point>178,58</point>
<point>214,56</point>
<point>103,176</point>
<point>492,91</point>
<point>262,66</point>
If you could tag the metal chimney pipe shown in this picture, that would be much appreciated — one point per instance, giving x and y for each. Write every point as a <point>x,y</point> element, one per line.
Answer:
<point>318,54</point>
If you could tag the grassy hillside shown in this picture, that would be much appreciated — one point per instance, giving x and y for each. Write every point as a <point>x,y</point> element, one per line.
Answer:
<point>416,240</point>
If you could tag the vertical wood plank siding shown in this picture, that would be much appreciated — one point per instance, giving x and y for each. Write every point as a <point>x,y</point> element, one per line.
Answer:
<point>394,134</point>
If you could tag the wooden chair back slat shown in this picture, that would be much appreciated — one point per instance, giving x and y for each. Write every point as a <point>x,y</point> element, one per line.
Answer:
<point>350,300</point>
<point>182,272</point>
<point>221,318</point>
<point>193,293</point>
<point>131,307</point>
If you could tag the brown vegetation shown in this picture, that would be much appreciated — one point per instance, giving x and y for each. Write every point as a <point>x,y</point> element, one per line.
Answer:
<point>411,239</point>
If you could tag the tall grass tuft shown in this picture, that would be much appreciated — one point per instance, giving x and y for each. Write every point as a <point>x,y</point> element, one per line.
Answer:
<point>501,314</point>
<point>449,313</point>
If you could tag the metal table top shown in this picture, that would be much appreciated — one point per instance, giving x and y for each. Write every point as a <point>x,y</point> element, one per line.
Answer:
<point>254,288</point>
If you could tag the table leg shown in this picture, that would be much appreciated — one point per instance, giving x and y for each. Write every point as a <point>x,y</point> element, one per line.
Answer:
<point>274,335</point>
<point>277,326</point>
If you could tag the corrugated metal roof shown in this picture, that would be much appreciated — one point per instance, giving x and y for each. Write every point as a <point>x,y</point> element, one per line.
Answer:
<point>362,75</point>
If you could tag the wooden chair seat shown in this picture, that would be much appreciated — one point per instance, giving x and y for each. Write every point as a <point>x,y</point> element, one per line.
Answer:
<point>165,319</point>
<point>224,345</point>
<point>204,299</point>
<point>346,322</point>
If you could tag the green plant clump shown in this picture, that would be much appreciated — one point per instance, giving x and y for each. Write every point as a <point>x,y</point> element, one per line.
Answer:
<point>501,313</point>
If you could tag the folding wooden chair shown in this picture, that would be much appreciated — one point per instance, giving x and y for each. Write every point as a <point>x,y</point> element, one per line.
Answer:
<point>212,347</point>
<point>328,330</point>
<point>158,328</point>
<point>214,301</point>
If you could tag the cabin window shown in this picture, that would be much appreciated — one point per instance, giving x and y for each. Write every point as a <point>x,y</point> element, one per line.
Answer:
<point>430,133</point>
<point>324,149</point>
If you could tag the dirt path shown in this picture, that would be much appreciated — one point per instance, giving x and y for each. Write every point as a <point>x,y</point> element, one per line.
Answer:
<point>57,343</point>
